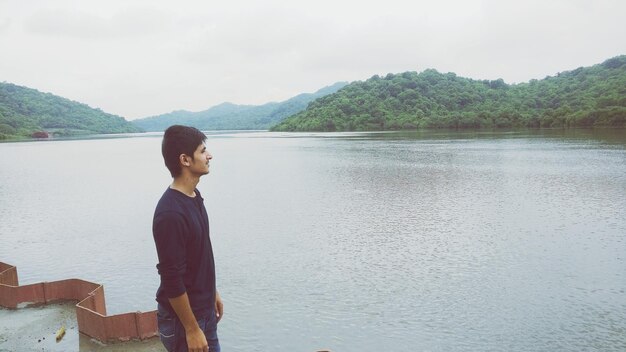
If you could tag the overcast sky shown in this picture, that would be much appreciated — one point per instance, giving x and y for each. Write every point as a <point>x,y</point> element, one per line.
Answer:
<point>142,58</point>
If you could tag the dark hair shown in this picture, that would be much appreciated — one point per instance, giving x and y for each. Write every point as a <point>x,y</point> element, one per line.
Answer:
<point>179,140</point>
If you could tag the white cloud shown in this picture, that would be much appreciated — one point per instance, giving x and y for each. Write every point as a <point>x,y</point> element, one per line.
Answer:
<point>73,23</point>
<point>4,24</point>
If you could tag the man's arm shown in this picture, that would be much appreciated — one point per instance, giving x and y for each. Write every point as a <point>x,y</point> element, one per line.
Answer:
<point>196,341</point>
<point>219,306</point>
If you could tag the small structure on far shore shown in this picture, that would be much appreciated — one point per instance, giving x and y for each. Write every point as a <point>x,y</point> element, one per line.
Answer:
<point>40,134</point>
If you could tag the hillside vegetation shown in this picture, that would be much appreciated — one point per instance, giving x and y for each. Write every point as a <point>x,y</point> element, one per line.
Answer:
<point>584,97</point>
<point>25,112</point>
<point>229,116</point>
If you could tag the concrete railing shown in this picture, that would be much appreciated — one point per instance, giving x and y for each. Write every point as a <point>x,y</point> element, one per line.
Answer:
<point>90,310</point>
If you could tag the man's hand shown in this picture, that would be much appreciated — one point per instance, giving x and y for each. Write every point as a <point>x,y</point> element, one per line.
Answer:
<point>219,307</point>
<point>196,341</point>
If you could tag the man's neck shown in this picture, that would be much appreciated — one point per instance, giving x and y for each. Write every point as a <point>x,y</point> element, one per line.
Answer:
<point>185,184</point>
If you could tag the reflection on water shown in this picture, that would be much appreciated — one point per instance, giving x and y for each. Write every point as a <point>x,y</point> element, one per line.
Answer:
<point>432,240</point>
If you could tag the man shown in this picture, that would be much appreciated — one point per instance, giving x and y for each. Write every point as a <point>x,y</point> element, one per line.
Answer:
<point>189,306</point>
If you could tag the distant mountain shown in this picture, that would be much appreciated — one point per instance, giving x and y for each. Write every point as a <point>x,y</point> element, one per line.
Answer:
<point>227,116</point>
<point>26,112</point>
<point>584,97</point>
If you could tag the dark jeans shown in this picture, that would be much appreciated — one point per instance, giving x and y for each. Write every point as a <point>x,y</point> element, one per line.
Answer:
<point>172,332</point>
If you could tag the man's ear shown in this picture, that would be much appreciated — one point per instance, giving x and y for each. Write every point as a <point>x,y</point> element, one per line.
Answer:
<point>184,160</point>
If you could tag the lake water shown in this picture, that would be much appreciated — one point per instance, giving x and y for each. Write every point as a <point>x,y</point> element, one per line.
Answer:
<point>429,241</point>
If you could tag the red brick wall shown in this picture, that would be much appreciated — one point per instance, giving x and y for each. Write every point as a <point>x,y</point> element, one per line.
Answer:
<point>90,310</point>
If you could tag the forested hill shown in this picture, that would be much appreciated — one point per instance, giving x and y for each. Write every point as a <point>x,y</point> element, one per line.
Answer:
<point>25,111</point>
<point>586,96</point>
<point>229,116</point>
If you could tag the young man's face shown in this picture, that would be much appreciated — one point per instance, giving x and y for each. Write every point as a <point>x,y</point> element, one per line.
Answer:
<point>200,163</point>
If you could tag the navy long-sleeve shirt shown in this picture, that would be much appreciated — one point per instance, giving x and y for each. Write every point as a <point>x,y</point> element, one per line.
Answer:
<point>181,233</point>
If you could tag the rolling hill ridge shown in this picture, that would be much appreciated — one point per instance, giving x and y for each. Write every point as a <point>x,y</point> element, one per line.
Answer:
<point>228,116</point>
<point>27,112</point>
<point>585,97</point>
